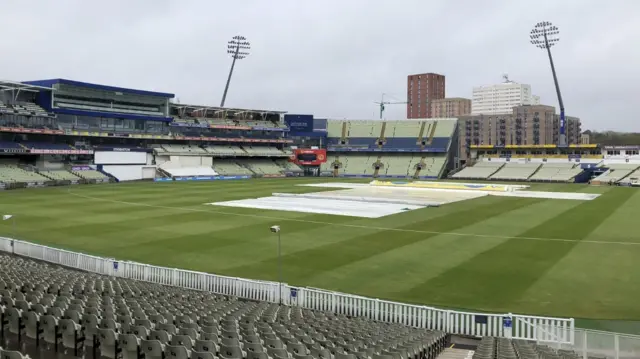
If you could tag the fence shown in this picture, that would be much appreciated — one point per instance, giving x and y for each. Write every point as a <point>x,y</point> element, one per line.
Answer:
<point>557,332</point>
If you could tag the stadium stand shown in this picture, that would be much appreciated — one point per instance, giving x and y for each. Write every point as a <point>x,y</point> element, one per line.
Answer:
<point>226,150</point>
<point>263,151</point>
<point>515,171</point>
<point>633,177</point>
<point>230,168</point>
<point>288,166</point>
<point>46,146</point>
<point>15,174</point>
<point>615,172</point>
<point>556,172</point>
<point>263,167</point>
<point>481,170</point>
<point>389,165</point>
<point>183,150</point>
<point>90,174</point>
<point>59,175</point>
<point>122,317</point>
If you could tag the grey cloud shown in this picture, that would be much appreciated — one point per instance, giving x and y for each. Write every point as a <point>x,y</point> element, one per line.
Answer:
<point>331,58</point>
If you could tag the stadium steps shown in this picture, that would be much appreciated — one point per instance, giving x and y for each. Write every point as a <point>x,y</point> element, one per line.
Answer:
<point>536,171</point>
<point>453,353</point>
<point>628,174</point>
<point>432,133</point>
<point>497,170</point>
<point>47,175</point>
<point>421,134</point>
<point>162,173</point>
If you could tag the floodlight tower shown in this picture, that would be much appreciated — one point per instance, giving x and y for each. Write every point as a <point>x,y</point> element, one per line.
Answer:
<point>544,35</point>
<point>238,47</point>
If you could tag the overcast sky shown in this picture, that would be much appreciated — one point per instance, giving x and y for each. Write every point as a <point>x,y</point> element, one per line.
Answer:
<point>332,58</point>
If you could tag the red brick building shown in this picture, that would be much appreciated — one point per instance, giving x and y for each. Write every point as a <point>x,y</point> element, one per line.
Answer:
<point>421,90</point>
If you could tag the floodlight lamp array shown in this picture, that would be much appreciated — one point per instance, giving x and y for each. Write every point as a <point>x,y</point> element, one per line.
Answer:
<point>544,35</point>
<point>238,47</point>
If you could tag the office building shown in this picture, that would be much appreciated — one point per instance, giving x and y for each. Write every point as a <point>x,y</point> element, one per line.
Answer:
<point>450,107</point>
<point>421,90</point>
<point>501,98</point>
<point>525,125</point>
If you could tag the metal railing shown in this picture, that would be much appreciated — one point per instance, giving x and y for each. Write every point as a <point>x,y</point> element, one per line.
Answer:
<point>556,332</point>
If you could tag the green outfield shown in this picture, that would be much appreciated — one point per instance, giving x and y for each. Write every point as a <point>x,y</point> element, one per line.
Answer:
<point>521,255</point>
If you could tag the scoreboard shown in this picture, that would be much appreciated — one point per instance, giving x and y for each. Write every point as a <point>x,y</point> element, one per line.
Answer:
<point>309,157</point>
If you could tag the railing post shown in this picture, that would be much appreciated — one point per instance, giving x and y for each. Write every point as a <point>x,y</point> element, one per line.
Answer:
<point>616,345</point>
<point>585,345</point>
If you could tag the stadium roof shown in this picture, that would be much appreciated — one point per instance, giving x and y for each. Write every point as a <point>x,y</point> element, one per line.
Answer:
<point>49,84</point>
<point>224,109</point>
<point>18,86</point>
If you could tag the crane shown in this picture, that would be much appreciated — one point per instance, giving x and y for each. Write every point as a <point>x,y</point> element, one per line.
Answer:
<point>382,104</point>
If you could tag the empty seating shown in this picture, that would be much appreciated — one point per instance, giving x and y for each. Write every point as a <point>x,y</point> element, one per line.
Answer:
<point>632,177</point>
<point>226,150</point>
<point>263,151</point>
<point>15,174</point>
<point>263,167</point>
<point>59,175</point>
<point>615,172</point>
<point>117,317</point>
<point>556,172</point>
<point>230,168</point>
<point>481,170</point>
<point>91,174</point>
<point>288,166</point>
<point>184,150</point>
<point>515,171</point>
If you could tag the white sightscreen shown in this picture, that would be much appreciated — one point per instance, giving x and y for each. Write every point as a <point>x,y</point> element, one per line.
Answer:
<point>120,158</point>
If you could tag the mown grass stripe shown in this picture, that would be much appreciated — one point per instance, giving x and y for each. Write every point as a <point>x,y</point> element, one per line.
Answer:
<point>499,276</point>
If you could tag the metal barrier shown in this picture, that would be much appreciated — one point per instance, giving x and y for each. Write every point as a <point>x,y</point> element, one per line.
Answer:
<point>559,331</point>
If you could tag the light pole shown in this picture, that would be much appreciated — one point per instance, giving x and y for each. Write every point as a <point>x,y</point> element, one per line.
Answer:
<point>544,35</point>
<point>238,47</point>
<point>276,229</point>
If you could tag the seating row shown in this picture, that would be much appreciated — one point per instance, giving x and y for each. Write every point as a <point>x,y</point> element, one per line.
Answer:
<point>81,312</point>
<point>387,165</point>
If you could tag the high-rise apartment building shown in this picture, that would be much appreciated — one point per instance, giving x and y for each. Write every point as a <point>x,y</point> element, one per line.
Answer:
<point>501,98</point>
<point>525,125</point>
<point>450,107</point>
<point>421,90</point>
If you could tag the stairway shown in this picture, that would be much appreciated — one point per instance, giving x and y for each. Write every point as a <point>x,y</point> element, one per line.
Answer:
<point>451,353</point>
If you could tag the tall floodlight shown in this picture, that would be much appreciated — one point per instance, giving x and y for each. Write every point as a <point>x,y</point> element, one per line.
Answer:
<point>544,35</point>
<point>238,47</point>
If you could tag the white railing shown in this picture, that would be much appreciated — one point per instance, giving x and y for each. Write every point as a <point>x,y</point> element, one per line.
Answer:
<point>556,332</point>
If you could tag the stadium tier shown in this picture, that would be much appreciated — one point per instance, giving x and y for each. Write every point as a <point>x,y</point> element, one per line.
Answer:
<point>14,174</point>
<point>226,150</point>
<point>263,167</point>
<point>615,172</point>
<point>633,177</point>
<point>90,174</point>
<point>433,135</point>
<point>118,317</point>
<point>481,170</point>
<point>556,172</point>
<point>183,149</point>
<point>59,175</point>
<point>384,165</point>
<point>263,151</point>
<point>231,168</point>
<point>515,171</point>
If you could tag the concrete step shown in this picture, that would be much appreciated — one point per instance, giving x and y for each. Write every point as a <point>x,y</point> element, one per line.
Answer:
<point>452,353</point>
